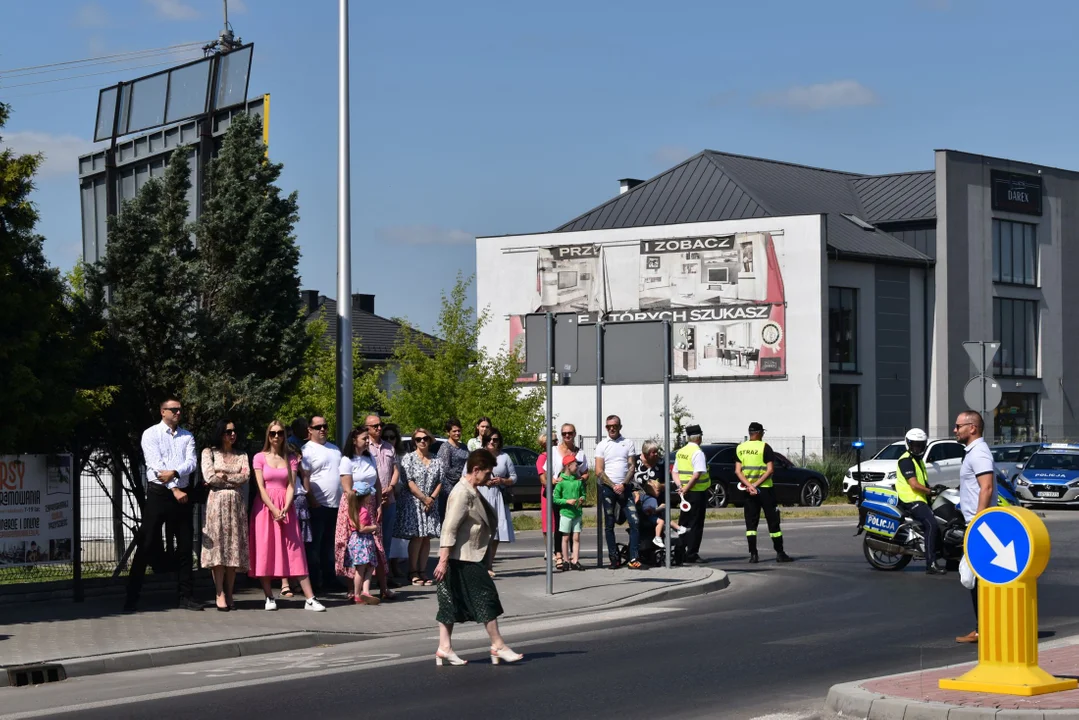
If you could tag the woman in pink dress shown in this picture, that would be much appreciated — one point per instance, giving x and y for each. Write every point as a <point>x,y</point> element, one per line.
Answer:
<point>277,549</point>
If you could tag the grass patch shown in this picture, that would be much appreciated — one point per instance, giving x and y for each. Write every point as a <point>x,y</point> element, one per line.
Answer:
<point>528,522</point>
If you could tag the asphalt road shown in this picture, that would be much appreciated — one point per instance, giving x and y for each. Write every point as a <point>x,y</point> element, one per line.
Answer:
<point>771,644</point>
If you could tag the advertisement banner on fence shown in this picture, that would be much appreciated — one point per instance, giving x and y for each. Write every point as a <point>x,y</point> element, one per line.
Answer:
<point>36,525</point>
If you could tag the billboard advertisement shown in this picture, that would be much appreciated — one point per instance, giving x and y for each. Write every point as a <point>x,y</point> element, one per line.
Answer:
<point>724,295</point>
<point>36,525</point>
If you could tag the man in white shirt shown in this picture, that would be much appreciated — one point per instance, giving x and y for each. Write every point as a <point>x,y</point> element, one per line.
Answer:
<point>169,453</point>
<point>616,458</point>
<point>322,463</point>
<point>977,484</point>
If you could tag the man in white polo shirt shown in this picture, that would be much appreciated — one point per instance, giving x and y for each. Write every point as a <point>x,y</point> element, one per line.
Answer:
<point>616,458</point>
<point>322,462</point>
<point>977,485</point>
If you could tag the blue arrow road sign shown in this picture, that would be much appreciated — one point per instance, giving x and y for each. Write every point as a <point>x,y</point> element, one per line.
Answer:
<point>998,547</point>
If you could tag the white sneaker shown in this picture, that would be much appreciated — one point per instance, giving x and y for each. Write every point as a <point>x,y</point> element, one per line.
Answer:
<point>682,531</point>
<point>314,605</point>
<point>658,542</point>
<point>271,604</point>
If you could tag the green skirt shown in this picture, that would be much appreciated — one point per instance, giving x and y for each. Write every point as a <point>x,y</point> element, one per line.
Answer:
<point>467,594</point>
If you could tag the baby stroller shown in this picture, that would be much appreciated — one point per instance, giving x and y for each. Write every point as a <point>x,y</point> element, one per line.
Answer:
<point>649,553</point>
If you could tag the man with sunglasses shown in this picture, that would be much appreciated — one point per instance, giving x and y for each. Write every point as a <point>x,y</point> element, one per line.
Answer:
<point>169,453</point>
<point>321,464</point>
<point>977,487</point>
<point>388,477</point>
<point>616,459</point>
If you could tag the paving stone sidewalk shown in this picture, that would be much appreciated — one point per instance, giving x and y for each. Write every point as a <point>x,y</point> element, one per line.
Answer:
<point>918,695</point>
<point>63,631</point>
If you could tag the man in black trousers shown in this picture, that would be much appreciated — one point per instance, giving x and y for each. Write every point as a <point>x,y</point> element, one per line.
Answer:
<point>169,452</point>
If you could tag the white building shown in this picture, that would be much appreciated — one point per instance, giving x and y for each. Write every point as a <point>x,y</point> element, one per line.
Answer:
<point>822,304</point>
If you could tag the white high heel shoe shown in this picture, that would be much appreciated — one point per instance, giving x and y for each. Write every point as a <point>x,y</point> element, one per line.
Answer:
<point>504,655</point>
<point>441,658</point>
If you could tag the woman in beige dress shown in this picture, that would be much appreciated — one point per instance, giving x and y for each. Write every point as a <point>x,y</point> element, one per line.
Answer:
<point>224,535</point>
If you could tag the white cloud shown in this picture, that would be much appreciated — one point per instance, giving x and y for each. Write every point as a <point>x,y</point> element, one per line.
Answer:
<point>173,9</point>
<point>61,151</point>
<point>423,235</point>
<point>669,154</point>
<point>92,15</point>
<point>822,96</point>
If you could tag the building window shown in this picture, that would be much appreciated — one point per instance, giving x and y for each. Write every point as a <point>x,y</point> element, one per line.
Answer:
<point>843,329</point>
<point>1016,418</point>
<point>1015,323</point>
<point>843,401</point>
<point>1015,253</point>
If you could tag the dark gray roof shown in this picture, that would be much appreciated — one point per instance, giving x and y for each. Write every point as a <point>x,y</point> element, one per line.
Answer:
<point>896,198</point>
<point>721,186</point>
<point>378,336</point>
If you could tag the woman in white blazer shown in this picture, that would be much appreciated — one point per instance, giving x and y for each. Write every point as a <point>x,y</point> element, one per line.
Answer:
<point>466,593</point>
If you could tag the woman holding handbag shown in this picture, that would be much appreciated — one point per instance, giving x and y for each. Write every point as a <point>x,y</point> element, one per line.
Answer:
<point>225,472</point>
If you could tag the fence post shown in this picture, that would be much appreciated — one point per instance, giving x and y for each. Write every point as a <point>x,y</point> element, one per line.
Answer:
<point>803,451</point>
<point>76,531</point>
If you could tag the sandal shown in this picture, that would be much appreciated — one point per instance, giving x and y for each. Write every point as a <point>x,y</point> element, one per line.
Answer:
<point>388,595</point>
<point>426,580</point>
<point>492,574</point>
<point>634,564</point>
<point>286,592</point>
<point>415,578</point>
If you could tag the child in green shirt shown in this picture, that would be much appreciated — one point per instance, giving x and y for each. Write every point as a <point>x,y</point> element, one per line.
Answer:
<point>569,498</point>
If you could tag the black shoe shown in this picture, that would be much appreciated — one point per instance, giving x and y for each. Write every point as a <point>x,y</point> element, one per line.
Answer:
<point>693,558</point>
<point>753,559</point>
<point>783,557</point>
<point>934,570</point>
<point>131,606</point>
<point>187,603</point>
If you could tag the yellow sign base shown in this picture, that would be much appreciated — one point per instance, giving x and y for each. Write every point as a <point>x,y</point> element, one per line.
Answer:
<point>1009,680</point>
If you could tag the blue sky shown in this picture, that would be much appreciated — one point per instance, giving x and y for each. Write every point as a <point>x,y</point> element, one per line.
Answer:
<point>482,118</point>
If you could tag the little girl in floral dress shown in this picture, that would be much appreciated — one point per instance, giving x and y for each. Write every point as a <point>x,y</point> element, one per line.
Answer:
<point>362,553</point>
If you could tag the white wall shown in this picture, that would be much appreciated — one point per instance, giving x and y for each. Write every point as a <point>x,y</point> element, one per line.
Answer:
<point>793,406</point>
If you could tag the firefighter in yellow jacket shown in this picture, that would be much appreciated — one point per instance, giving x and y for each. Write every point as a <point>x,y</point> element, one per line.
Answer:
<point>754,466</point>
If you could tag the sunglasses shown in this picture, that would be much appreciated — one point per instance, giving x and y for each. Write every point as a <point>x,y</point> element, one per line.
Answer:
<point>230,431</point>
<point>959,425</point>
<point>613,427</point>
<point>173,410</point>
<point>275,433</point>
<point>568,434</point>
<point>373,426</point>
<point>421,438</point>
<point>318,428</point>
<point>495,441</point>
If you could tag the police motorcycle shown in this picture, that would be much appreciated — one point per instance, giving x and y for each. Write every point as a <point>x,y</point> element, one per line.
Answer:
<point>893,538</point>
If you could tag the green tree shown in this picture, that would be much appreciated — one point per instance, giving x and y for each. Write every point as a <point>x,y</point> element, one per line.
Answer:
<point>316,391</point>
<point>450,375</point>
<point>250,338</point>
<point>679,415</point>
<point>40,356</point>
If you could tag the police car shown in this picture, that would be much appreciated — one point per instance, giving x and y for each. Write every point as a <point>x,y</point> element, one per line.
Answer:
<point>1050,476</point>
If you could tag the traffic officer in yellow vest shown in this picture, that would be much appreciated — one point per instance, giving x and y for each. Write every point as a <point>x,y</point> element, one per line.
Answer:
<point>693,481</point>
<point>754,467</point>
<point>912,486</point>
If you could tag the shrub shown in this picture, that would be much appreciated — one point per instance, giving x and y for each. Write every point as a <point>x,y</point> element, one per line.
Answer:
<point>832,466</point>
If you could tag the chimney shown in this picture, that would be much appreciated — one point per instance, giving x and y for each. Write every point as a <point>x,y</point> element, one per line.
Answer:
<point>363,302</point>
<point>309,299</point>
<point>627,184</point>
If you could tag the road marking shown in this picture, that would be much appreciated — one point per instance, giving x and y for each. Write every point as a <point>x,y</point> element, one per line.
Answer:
<point>544,623</point>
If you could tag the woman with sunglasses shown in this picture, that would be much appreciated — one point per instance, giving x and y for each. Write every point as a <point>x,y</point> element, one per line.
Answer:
<point>277,550</point>
<point>224,534</point>
<point>417,518</point>
<point>503,477</point>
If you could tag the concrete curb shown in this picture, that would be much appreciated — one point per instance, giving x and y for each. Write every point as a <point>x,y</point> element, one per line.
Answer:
<point>851,700</point>
<point>180,654</point>
<point>302,640</point>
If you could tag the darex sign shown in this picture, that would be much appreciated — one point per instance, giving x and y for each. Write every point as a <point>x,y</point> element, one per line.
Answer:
<point>1016,193</point>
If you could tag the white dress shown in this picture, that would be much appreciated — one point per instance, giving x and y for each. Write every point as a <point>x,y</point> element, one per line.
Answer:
<point>494,495</point>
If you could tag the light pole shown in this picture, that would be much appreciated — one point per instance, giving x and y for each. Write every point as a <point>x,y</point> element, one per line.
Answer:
<point>344,238</point>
